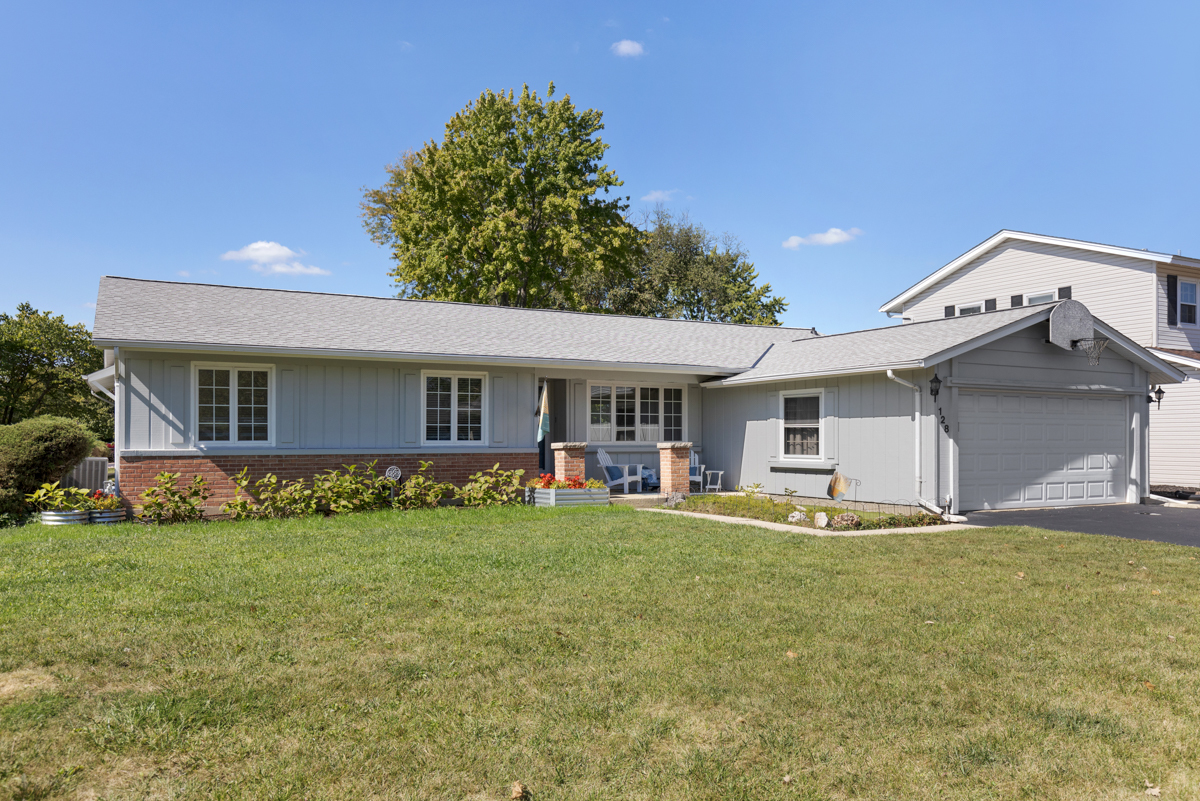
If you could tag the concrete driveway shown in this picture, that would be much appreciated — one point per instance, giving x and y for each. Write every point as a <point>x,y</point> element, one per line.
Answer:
<point>1155,523</point>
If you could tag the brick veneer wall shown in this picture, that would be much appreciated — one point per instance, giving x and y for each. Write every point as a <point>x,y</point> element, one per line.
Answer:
<point>568,459</point>
<point>138,472</point>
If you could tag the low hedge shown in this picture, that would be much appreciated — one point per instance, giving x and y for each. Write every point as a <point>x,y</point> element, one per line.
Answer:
<point>38,451</point>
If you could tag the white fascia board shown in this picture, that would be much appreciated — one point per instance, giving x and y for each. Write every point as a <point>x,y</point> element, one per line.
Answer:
<point>896,304</point>
<point>395,356</point>
<point>104,381</point>
<point>1175,358</point>
<point>777,377</point>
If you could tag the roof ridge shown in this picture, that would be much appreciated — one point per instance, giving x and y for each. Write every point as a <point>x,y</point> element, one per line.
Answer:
<point>461,303</point>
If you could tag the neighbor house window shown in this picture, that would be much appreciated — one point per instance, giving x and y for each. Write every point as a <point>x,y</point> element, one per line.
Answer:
<point>233,404</point>
<point>971,308</point>
<point>1040,297</point>
<point>1187,303</point>
<point>634,413</point>
<point>801,425</point>
<point>454,408</point>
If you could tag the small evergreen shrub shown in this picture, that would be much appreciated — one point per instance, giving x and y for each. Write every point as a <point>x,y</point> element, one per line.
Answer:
<point>35,452</point>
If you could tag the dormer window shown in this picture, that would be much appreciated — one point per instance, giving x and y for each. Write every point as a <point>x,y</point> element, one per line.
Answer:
<point>1187,303</point>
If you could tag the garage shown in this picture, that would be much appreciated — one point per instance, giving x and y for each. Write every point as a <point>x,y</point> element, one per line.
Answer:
<point>1023,450</point>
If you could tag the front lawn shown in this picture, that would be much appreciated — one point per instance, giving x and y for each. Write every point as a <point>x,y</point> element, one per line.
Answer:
<point>592,653</point>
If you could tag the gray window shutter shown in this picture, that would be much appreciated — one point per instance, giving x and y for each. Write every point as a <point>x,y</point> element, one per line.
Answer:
<point>989,305</point>
<point>1016,300</point>
<point>949,311</point>
<point>1064,293</point>
<point>1172,300</point>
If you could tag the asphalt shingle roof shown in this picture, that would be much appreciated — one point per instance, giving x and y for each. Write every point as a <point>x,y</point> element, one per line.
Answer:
<point>878,347</point>
<point>131,311</point>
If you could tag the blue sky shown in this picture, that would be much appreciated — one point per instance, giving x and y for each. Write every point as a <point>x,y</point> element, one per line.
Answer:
<point>149,140</point>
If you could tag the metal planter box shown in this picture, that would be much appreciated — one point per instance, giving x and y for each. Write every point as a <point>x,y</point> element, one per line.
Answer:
<point>567,497</point>
<point>67,517</point>
<point>106,516</point>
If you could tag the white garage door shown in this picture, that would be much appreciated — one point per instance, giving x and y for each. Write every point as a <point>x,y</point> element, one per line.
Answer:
<point>1029,450</point>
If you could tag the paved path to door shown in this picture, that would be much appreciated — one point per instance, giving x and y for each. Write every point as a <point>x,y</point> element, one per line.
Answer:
<point>1155,523</point>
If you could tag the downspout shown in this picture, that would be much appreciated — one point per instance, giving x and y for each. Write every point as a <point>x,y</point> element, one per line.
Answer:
<point>945,513</point>
<point>117,409</point>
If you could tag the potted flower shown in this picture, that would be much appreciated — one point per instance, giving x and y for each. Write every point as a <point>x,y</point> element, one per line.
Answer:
<point>546,490</point>
<point>105,508</point>
<point>60,506</point>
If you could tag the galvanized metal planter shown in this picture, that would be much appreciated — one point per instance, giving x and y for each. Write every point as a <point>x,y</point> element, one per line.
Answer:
<point>68,517</point>
<point>106,516</point>
<point>567,497</point>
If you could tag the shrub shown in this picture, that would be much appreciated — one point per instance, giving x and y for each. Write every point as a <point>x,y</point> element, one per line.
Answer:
<point>493,487</point>
<point>275,498</point>
<point>353,491</point>
<point>53,498</point>
<point>421,491</point>
<point>165,502</point>
<point>36,452</point>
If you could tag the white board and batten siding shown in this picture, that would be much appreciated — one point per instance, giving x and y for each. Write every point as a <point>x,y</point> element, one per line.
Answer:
<point>868,434</point>
<point>1117,289</point>
<point>320,405</point>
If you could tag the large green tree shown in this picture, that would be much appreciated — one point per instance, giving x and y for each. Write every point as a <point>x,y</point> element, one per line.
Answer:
<point>682,270</point>
<point>510,208</point>
<point>42,364</point>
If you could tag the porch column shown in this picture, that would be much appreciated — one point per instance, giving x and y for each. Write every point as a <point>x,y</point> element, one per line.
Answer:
<point>568,459</point>
<point>673,459</point>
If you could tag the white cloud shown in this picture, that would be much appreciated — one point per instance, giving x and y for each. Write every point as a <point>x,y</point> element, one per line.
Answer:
<point>834,236</point>
<point>89,305</point>
<point>405,45</point>
<point>627,48</point>
<point>184,274</point>
<point>272,258</point>
<point>659,195</point>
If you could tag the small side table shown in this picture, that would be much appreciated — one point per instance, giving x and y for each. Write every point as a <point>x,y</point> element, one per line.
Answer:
<point>711,484</point>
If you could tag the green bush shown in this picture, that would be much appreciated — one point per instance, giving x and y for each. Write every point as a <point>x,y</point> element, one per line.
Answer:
<point>35,452</point>
<point>421,491</point>
<point>165,502</point>
<point>333,492</point>
<point>493,487</point>
<point>53,498</point>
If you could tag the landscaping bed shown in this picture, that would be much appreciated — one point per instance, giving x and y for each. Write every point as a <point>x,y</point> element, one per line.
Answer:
<point>840,518</point>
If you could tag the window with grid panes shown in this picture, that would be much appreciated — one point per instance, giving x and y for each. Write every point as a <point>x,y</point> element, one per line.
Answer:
<point>802,425</point>
<point>233,404</point>
<point>454,408</point>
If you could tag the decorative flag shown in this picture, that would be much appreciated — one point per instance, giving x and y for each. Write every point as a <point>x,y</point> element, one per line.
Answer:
<point>544,422</point>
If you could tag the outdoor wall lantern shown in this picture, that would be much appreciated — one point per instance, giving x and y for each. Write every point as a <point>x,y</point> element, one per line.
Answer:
<point>1156,397</point>
<point>935,386</point>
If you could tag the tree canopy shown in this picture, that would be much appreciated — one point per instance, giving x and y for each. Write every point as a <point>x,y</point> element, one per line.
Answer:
<point>42,364</point>
<point>683,270</point>
<point>510,208</point>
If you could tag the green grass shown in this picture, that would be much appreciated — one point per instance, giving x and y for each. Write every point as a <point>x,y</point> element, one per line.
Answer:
<point>592,653</point>
<point>762,508</point>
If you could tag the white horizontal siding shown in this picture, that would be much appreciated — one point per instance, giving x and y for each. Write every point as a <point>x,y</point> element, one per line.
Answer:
<point>1175,435</point>
<point>1117,289</point>
<point>1179,337</point>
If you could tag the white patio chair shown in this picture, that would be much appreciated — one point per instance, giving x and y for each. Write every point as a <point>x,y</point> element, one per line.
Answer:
<point>695,471</point>
<point>622,474</point>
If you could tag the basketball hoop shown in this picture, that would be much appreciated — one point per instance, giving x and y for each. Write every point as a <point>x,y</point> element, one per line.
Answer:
<point>1092,347</point>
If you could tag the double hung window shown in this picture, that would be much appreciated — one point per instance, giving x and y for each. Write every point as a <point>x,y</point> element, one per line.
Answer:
<point>233,404</point>
<point>1187,303</point>
<point>454,408</point>
<point>801,425</point>
<point>634,413</point>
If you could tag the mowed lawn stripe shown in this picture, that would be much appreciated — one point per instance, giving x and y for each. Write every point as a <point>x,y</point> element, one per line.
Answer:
<point>592,653</point>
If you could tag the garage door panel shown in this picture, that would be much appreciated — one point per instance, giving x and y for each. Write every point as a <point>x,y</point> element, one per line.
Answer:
<point>1030,449</point>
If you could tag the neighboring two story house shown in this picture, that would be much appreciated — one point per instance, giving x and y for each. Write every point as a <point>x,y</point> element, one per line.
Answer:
<point>1150,297</point>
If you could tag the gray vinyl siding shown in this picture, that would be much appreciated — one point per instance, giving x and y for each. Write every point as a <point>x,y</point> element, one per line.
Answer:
<point>1117,289</point>
<point>1175,434</point>
<point>320,405</point>
<point>1177,337</point>
<point>869,436</point>
<point>1025,358</point>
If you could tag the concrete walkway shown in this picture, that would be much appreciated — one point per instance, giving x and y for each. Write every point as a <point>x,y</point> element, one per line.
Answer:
<point>816,532</point>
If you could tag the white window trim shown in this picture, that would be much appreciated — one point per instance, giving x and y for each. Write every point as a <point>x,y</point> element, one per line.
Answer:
<point>1053,293</point>
<point>958,310</point>
<point>637,428</point>
<point>819,394</point>
<point>194,411</point>
<point>482,442</point>
<point>1179,304</point>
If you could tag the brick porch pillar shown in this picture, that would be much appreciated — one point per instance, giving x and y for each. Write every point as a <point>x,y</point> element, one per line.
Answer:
<point>568,459</point>
<point>673,460</point>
